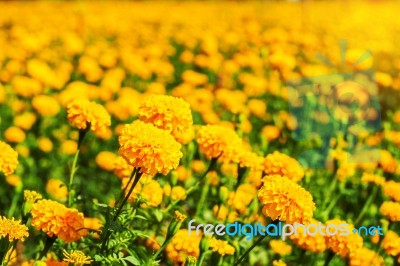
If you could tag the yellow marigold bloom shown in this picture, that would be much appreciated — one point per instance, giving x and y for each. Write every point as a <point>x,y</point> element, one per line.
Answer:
<point>149,148</point>
<point>77,257</point>
<point>94,224</point>
<point>13,230</point>
<point>280,247</point>
<point>388,162</point>
<point>8,159</point>
<point>148,190</point>
<point>57,189</point>
<point>105,160</point>
<point>14,180</point>
<point>198,166</point>
<point>391,243</point>
<point>374,179</point>
<point>46,105</point>
<point>121,168</point>
<point>182,173</point>
<point>242,197</point>
<point>258,107</point>
<point>391,210</point>
<point>392,190</point>
<point>179,217</point>
<point>14,134</point>
<point>343,245</point>
<point>45,144</point>
<point>183,245</point>
<point>26,87</point>
<point>365,257</point>
<point>194,78</point>
<point>315,243</point>
<point>31,196</point>
<point>55,219</point>
<point>278,263</point>
<point>69,147</point>
<point>166,112</point>
<point>277,163</point>
<point>25,121</point>
<point>221,246</point>
<point>285,200</point>
<point>82,113</point>
<point>178,193</point>
<point>215,141</point>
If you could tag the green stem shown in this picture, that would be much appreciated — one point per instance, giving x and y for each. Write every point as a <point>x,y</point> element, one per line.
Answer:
<point>367,204</point>
<point>201,258</point>
<point>237,262</point>
<point>329,258</point>
<point>164,245</point>
<point>74,168</point>
<point>48,244</point>
<point>204,192</point>
<point>14,202</point>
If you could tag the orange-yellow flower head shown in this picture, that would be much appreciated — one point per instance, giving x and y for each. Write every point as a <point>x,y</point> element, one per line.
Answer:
<point>221,246</point>
<point>8,159</point>
<point>215,141</point>
<point>315,243</point>
<point>285,200</point>
<point>166,112</point>
<point>391,210</point>
<point>149,148</point>
<point>55,219</point>
<point>283,165</point>
<point>343,245</point>
<point>82,113</point>
<point>13,230</point>
<point>392,190</point>
<point>183,245</point>
<point>365,257</point>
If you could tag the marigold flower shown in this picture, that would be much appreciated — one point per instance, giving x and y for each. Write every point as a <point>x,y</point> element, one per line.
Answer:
<point>149,148</point>
<point>46,105</point>
<point>178,193</point>
<point>82,113</point>
<point>69,146</point>
<point>374,179</point>
<point>198,166</point>
<point>391,210</point>
<point>280,247</point>
<point>343,245</point>
<point>221,246</point>
<point>8,159</point>
<point>219,141</point>
<point>285,200</point>
<point>392,190</point>
<point>391,243</point>
<point>31,196</point>
<point>242,197</point>
<point>55,219</point>
<point>105,160</point>
<point>57,189</point>
<point>277,163</point>
<point>25,121</point>
<point>388,162</point>
<point>77,257</point>
<point>183,245</point>
<point>12,229</point>
<point>14,134</point>
<point>365,257</point>
<point>278,263</point>
<point>179,217</point>
<point>166,112</point>
<point>14,180</point>
<point>121,167</point>
<point>315,243</point>
<point>148,189</point>
<point>45,144</point>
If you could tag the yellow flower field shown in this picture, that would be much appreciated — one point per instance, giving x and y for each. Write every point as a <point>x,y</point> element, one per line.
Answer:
<point>141,133</point>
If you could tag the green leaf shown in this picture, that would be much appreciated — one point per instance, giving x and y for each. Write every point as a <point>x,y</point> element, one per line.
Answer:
<point>133,260</point>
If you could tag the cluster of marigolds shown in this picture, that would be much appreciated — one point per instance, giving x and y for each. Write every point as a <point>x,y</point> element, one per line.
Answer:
<point>120,122</point>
